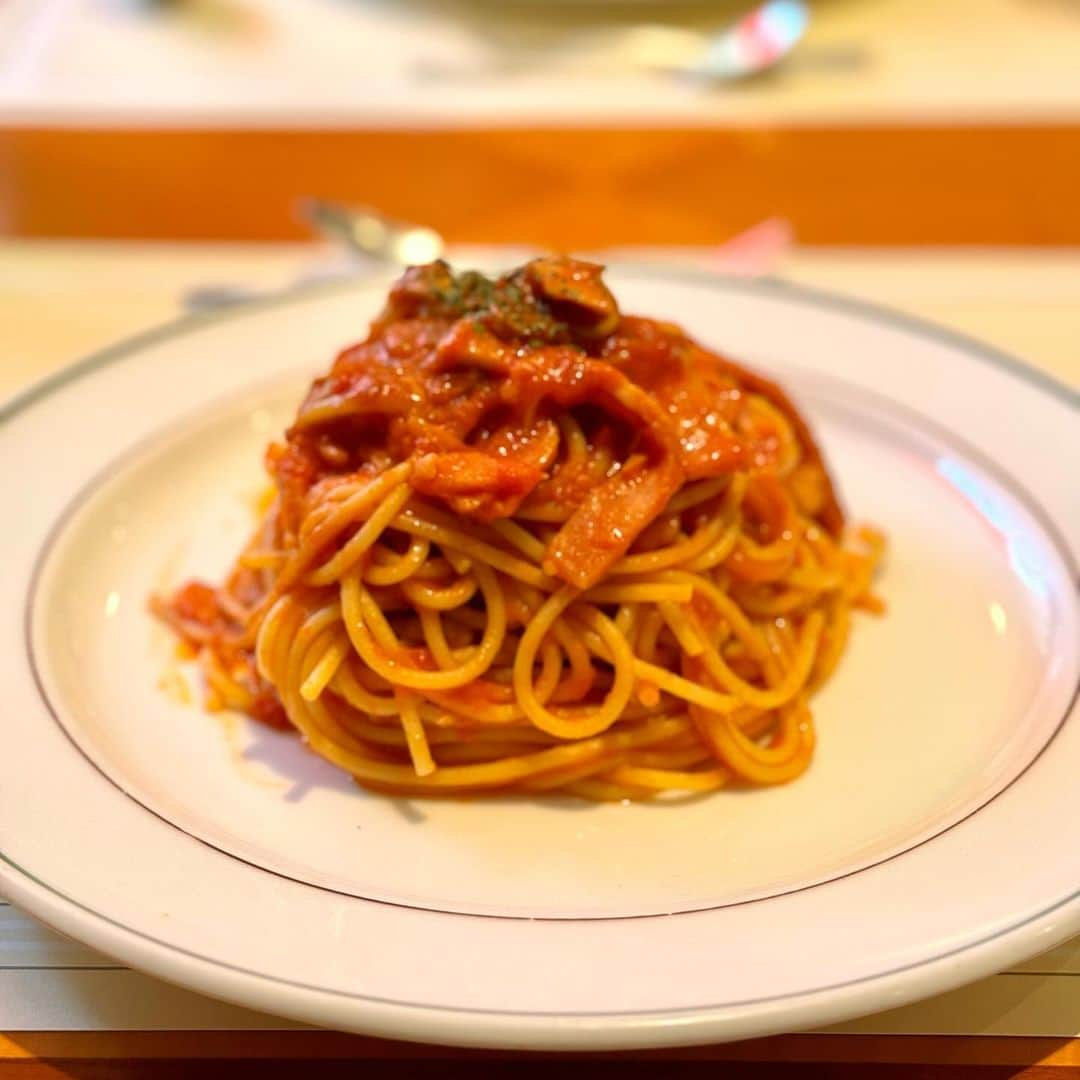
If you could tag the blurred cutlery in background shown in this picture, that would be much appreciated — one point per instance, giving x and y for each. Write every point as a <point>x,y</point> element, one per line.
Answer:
<point>753,44</point>
<point>365,231</point>
<point>367,238</point>
<point>363,235</point>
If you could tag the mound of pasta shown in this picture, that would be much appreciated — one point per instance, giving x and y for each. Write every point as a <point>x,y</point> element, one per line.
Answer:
<point>519,541</point>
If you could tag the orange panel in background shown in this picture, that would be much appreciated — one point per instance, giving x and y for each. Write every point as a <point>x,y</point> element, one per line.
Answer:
<point>574,187</point>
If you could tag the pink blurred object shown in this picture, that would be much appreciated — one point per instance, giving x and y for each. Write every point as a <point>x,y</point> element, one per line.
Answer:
<point>757,251</point>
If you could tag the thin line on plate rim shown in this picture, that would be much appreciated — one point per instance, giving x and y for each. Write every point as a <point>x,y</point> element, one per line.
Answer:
<point>459,1009</point>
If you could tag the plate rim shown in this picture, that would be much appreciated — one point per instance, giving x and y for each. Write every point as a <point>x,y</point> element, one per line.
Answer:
<point>531,1029</point>
<point>467,1026</point>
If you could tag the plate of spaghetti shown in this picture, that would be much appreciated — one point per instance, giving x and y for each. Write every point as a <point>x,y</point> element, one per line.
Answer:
<point>551,656</point>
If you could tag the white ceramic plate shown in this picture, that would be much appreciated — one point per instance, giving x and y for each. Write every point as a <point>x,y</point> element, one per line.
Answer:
<point>933,840</point>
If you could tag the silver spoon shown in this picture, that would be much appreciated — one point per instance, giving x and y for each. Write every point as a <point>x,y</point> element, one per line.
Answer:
<point>359,230</point>
<point>365,231</point>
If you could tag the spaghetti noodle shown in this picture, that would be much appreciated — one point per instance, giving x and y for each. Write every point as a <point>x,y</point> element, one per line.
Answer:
<point>522,542</point>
